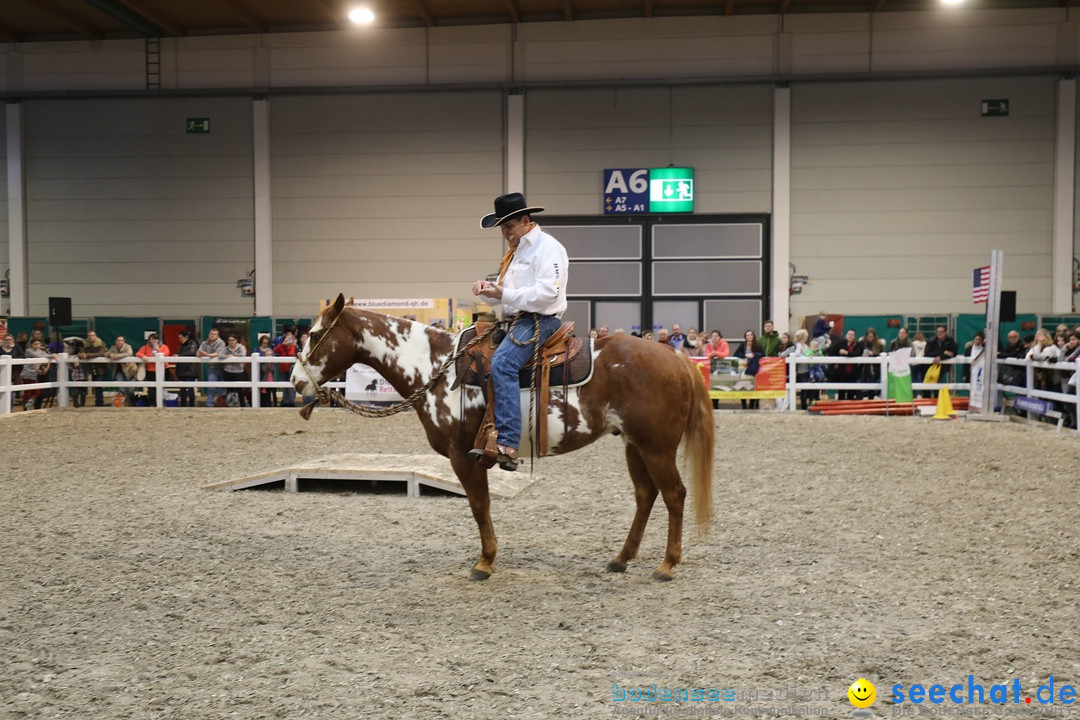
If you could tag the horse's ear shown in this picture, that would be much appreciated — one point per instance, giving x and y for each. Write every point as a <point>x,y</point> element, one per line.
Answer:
<point>339,304</point>
<point>352,300</point>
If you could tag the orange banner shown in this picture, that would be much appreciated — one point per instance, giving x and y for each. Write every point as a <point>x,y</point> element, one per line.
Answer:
<point>772,374</point>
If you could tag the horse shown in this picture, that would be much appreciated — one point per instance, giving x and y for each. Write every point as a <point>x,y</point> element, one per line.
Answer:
<point>652,397</point>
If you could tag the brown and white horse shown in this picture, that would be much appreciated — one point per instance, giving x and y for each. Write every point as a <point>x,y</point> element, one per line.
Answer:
<point>650,396</point>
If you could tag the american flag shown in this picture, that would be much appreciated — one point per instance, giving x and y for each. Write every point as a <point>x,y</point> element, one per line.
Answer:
<point>980,284</point>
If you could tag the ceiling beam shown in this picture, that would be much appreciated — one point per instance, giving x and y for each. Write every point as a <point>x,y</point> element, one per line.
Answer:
<point>648,9</point>
<point>333,12</point>
<point>249,18</point>
<point>568,11</point>
<point>425,12</point>
<point>77,24</point>
<point>785,6</point>
<point>729,8</point>
<point>165,24</point>
<point>880,5</point>
<point>511,7</point>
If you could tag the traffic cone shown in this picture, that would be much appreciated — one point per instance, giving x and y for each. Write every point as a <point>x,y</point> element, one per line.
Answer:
<point>944,405</point>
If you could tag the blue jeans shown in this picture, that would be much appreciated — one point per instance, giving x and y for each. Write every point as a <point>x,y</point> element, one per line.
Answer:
<point>213,374</point>
<point>507,362</point>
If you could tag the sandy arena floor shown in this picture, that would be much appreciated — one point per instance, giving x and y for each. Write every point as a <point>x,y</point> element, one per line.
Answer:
<point>904,550</point>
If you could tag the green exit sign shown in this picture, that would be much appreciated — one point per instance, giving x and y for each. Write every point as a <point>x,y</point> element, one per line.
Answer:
<point>198,126</point>
<point>671,190</point>
<point>995,108</point>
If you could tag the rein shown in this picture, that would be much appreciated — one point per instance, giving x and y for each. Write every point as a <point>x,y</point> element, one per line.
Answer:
<point>323,395</point>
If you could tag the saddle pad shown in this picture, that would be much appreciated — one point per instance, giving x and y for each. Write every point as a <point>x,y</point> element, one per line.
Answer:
<point>581,366</point>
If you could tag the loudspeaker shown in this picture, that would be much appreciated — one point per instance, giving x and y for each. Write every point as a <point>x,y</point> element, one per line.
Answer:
<point>1008,306</point>
<point>59,312</point>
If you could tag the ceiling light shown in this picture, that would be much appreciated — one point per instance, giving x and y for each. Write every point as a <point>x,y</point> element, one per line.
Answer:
<point>953,2</point>
<point>362,15</point>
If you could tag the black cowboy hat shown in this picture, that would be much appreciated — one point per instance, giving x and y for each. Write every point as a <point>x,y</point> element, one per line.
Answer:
<point>506,207</point>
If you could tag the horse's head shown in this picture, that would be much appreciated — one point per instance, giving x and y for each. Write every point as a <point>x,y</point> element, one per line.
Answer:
<point>327,352</point>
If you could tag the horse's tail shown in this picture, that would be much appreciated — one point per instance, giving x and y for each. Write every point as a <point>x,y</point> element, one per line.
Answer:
<point>698,448</point>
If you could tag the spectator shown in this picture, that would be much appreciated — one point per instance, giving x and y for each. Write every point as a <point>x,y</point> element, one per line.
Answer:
<point>9,347</point>
<point>212,347</point>
<point>770,340</point>
<point>1014,349</point>
<point>797,350</point>
<point>122,371</point>
<point>751,352</point>
<point>822,331</point>
<point>593,334</point>
<point>676,339</point>
<point>901,340</point>
<point>785,343</point>
<point>844,348</point>
<point>973,349</point>
<point>662,336</point>
<point>717,346</point>
<point>602,331</point>
<point>77,374</point>
<point>286,348</point>
<point>148,352</point>
<point>941,347</point>
<point>870,346</point>
<point>918,372</point>
<point>816,373</point>
<point>1044,350</point>
<point>648,336</point>
<point>1068,378</point>
<point>187,371</point>
<point>94,348</point>
<point>692,346</point>
<point>234,371</point>
<point>34,373</point>
<point>267,396</point>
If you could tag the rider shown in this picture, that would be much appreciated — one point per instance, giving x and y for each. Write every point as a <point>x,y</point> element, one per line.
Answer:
<point>532,289</point>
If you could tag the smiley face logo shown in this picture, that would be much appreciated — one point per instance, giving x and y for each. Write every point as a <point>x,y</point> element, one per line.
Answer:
<point>862,693</point>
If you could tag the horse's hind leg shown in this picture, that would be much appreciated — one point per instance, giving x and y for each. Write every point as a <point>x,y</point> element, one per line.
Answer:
<point>665,474</point>
<point>474,479</point>
<point>644,495</point>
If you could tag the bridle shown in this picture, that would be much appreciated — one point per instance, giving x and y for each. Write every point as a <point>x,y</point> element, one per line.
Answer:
<point>324,395</point>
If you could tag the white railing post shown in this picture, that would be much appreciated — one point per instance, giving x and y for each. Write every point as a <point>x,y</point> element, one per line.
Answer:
<point>62,379</point>
<point>159,379</point>
<point>792,364</point>
<point>6,390</point>
<point>254,359</point>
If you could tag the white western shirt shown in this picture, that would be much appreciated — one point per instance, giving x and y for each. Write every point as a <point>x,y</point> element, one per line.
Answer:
<point>536,278</point>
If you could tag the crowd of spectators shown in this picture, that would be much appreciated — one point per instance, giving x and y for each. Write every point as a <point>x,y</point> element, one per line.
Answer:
<point>1061,345</point>
<point>126,365</point>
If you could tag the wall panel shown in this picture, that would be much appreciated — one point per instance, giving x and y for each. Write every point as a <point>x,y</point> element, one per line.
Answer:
<point>383,194</point>
<point>900,189</point>
<point>119,197</point>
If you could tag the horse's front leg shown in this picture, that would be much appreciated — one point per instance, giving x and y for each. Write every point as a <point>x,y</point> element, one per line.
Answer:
<point>474,479</point>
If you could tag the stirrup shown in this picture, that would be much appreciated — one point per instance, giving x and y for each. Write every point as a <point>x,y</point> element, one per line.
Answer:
<point>507,458</point>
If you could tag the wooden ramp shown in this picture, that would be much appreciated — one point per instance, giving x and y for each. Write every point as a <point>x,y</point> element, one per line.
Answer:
<point>413,471</point>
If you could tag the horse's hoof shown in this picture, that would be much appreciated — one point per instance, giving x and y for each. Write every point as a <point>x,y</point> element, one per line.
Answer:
<point>616,567</point>
<point>663,575</point>
<point>478,574</point>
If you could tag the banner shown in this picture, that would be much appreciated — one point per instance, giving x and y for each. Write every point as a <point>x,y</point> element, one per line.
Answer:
<point>363,384</point>
<point>772,374</point>
<point>977,383</point>
<point>899,380</point>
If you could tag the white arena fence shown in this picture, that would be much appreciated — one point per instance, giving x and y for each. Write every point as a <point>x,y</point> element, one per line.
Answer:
<point>1069,393</point>
<point>10,369</point>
